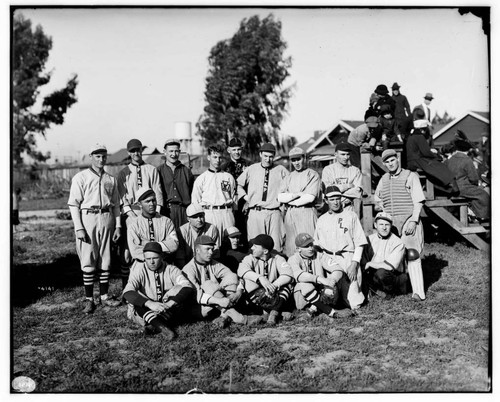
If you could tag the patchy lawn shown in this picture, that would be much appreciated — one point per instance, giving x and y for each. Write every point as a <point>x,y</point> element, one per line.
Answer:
<point>440,345</point>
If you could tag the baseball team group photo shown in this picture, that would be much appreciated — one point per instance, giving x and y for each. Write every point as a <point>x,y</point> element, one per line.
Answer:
<point>195,218</point>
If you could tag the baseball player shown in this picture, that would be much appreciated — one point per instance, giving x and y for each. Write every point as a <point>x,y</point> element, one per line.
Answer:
<point>94,203</point>
<point>132,178</point>
<point>189,232</point>
<point>176,183</point>
<point>346,177</point>
<point>267,279</point>
<point>339,233</point>
<point>215,191</point>
<point>318,288</point>
<point>259,186</point>
<point>156,292</point>
<point>150,226</point>
<point>299,192</point>
<point>400,194</point>
<point>216,286</point>
<point>232,252</point>
<point>383,270</point>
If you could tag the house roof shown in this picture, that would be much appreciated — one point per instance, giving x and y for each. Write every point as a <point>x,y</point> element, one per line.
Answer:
<point>481,116</point>
<point>348,125</point>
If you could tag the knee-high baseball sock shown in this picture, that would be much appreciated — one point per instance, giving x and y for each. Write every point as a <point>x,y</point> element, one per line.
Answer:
<point>416,277</point>
<point>88,284</point>
<point>313,298</point>
<point>103,282</point>
<point>125,273</point>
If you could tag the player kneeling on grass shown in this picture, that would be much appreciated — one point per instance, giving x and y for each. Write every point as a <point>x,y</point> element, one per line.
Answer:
<point>216,286</point>
<point>267,278</point>
<point>157,292</point>
<point>383,271</point>
<point>318,289</point>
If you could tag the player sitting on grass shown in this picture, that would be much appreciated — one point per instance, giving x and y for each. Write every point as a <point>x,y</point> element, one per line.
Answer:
<point>157,292</point>
<point>267,278</point>
<point>316,290</point>
<point>216,286</point>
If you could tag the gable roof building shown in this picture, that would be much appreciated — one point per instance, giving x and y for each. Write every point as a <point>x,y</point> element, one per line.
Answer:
<point>473,124</point>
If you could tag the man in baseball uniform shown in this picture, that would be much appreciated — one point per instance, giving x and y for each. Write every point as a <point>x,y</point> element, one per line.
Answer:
<point>190,231</point>
<point>215,191</point>
<point>259,185</point>
<point>176,184</point>
<point>345,177</point>
<point>267,273</point>
<point>150,226</point>
<point>94,203</point>
<point>156,292</point>
<point>131,179</point>
<point>318,287</point>
<point>400,194</point>
<point>300,192</point>
<point>216,286</point>
<point>339,233</point>
<point>384,267</point>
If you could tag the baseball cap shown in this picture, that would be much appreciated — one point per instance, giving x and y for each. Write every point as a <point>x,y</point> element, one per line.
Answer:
<point>303,240</point>
<point>172,141</point>
<point>153,246</point>
<point>143,193</point>
<point>371,121</point>
<point>296,151</point>
<point>342,146</point>
<point>462,145</point>
<point>232,231</point>
<point>134,144</point>
<point>204,240</point>
<point>268,147</point>
<point>388,153</point>
<point>332,191</point>
<point>263,240</point>
<point>98,148</point>
<point>194,209</point>
<point>235,142</point>
<point>385,216</point>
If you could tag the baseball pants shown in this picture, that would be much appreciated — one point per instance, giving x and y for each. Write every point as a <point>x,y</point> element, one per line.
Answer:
<point>268,222</point>
<point>221,219</point>
<point>298,220</point>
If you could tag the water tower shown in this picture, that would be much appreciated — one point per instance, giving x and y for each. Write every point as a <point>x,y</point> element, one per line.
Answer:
<point>185,137</point>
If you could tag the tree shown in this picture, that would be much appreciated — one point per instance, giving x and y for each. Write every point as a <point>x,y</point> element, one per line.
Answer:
<point>445,119</point>
<point>244,91</point>
<point>29,54</point>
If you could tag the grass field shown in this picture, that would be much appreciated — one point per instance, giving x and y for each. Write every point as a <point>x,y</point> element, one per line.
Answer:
<point>43,204</point>
<point>397,345</point>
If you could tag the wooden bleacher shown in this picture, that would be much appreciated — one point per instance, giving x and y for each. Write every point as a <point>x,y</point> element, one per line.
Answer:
<point>435,206</point>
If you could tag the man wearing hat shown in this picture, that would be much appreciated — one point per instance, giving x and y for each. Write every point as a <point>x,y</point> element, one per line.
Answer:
<point>131,179</point>
<point>402,110</point>
<point>384,99</point>
<point>258,186</point>
<point>320,285</point>
<point>345,177</point>
<point>340,235</point>
<point>157,292</point>
<point>384,269</point>
<point>424,108</point>
<point>364,136</point>
<point>390,130</point>
<point>232,251</point>
<point>150,226</point>
<point>216,286</point>
<point>267,279</point>
<point>300,192</point>
<point>94,203</point>
<point>215,191</point>
<point>190,231</point>
<point>465,173</point>
<point>176,183</point>
<point>399,193</point>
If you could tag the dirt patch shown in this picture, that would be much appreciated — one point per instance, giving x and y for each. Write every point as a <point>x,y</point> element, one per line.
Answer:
<point>266,333</point>
<point>334,333</point>
<point>50,307</point>
<point>457,322</point>
<point>429,339</point>
<point>292,347</point>
<point>322,361</point>
<point>168,382</point>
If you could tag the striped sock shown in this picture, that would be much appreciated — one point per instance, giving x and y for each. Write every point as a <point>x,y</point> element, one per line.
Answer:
<point>88,284</point>
<point>103,282</point>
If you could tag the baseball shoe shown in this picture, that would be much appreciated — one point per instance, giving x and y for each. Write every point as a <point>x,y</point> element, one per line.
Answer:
<point>222,321</point>
<point>287,316</point>
<point>343,313</point>
<point>89,306</point>
<point>110,302</point>
<point>416,297</point>
<point>273,318</point>
<point>311,312</point>
<point>253,320</point>
<point>151,330</point>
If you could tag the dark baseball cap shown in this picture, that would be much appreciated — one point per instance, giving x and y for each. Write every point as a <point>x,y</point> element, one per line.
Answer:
<point>134,144</point>
<point>204,240</point>
<point>343,146</point>
<point>153,246</point>
<point>263,240</point>
<point>268,147</point>
<point>332,191</point>
<point>235,142</point>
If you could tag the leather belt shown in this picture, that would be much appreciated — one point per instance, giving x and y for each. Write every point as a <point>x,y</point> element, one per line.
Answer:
<point>96,210</point>
<point>300,206</point>
<point>215,206</point>
<point>264,209</point>
<point>169,204</point>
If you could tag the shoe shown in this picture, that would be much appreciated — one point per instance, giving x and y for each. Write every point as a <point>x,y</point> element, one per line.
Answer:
<point>89,306</point>
<point>287,316</point>
<point>110,302</point>
<point>253,320</point>
<point>151,330</point>
<point>168,334</point>
<point>311,313</point>
<point>273,318</point>
<point>343,313</point>
<point>416,297</point>
<point>221,321</point>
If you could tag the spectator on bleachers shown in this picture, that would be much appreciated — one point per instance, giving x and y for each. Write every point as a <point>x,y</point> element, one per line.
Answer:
<point>364,136</point>
<point>390,129</point>
<point>402,112</point>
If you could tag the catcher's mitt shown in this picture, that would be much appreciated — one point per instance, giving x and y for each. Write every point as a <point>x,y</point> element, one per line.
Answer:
<point>329,295</point>
<point>262,299</point>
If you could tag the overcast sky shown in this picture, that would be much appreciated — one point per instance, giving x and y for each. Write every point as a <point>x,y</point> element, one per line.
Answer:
<point>141,70</point>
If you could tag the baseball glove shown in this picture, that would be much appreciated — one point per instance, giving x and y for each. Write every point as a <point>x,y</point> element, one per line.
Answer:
<point>329,295</point>
<point>262,299</point>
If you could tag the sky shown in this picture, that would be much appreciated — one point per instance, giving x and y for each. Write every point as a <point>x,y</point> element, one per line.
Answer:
<point>142,70</point>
